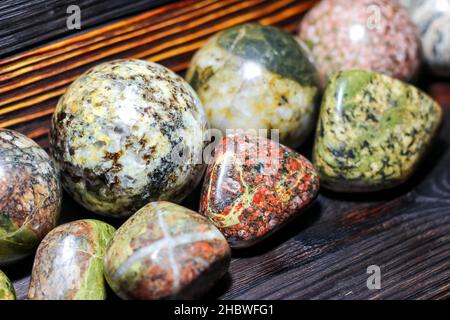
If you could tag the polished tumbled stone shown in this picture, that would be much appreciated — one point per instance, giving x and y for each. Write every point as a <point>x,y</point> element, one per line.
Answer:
<point>254,186</point>
<point>257,77</point>
<point>6,288</point>
<point>432,18</point>
<point>116,133</point>
<point>165,251</point>
<point>69,262</point>
<point>375,35</point>
<point>373,131</point>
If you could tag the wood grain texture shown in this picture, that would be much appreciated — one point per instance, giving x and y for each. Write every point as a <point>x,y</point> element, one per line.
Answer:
<point>31,83</point>
<point>324,254</point>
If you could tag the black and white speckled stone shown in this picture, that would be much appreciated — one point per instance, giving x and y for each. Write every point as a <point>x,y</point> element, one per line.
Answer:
<point>30,195</point>
<point>115,131</point>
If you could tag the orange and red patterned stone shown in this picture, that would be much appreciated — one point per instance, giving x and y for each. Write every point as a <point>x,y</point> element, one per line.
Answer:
<point>254,186</point>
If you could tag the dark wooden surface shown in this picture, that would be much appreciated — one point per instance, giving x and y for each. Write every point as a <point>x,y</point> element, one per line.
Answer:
<point>28,23</point>
<point>324,254</point>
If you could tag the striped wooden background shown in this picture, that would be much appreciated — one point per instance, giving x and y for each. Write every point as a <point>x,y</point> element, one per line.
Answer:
<point>28,24</point>
<point>322,255</point>
<point>31,83</point>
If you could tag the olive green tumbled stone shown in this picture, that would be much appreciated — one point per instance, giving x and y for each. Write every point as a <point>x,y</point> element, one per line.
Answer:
<point>69,262</point>
<point>6,288</point>
<point>372,132</point>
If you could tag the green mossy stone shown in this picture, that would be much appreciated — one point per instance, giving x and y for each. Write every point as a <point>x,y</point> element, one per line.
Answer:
<point>31,196</point>
<point>6,288</point>
<point>373,131</point>
<point>69,262</point>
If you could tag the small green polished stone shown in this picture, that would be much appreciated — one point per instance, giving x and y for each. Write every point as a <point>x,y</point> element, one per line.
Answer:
<point>6,288</point>
<point>30,196</point>
<point>69,262</point>
<point>373,131</point>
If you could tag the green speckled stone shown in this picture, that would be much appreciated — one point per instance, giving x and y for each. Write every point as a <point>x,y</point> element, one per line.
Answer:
<point>69,262</point>
<point>372,132</point>
<point>165,251</point>
<point>273,48</point>
<point>6,288</point>
<point>257,77</point>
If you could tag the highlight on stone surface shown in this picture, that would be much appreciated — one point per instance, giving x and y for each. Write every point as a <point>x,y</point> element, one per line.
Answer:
<point>30,193</point>
<point>432,18</point>
<point>7,291</point>
<point>257,77</point>
<point>69,262</point>
<point>115,134</point>
<point>254,186</point>
<point>165,251</point>
<point>375,35</point>
<point>373,131</point>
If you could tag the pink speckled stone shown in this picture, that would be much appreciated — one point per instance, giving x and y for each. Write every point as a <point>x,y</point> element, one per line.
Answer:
<point>376,35</point>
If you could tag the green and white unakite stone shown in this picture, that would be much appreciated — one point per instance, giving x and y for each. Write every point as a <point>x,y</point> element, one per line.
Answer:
<point>165,251</point>
<point>256,77</point>
<point>69,262</point>
<point>372,132</point>
<point>6,288</point>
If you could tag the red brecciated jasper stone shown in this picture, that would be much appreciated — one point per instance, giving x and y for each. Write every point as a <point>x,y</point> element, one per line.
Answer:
<point>254,186</point>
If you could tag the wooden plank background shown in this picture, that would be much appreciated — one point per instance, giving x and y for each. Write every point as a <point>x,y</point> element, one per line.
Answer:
<point>323,254</point>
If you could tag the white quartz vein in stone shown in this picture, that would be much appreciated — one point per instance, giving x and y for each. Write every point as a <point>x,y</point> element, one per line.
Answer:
<point>173,263</point>
<point>170,243</point>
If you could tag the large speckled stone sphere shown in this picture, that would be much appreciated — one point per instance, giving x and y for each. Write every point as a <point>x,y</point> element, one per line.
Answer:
<point>257,77</point>
<point>432,17</point>
<point>374,35</point>
<point>120,134</point>
<point>30,195</point>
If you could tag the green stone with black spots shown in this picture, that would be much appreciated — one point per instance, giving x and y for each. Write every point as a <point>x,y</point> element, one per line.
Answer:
<point>373,131</point>
<point>69,262</point>
<point>274,48</point>
<point>253,76</point>
<point>6,288</point>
